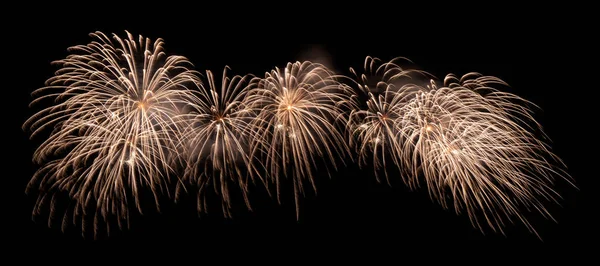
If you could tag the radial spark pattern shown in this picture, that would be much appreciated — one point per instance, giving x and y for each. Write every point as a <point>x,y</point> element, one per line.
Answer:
<point>298,108</point>
<point>477,148</point>
<point>217,136</point>
<point>377,98</point>
<point>111,127</point>
<point>124,118</point>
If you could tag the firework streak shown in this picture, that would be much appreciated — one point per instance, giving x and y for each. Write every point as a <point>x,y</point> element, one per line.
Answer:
<point>126,119</point>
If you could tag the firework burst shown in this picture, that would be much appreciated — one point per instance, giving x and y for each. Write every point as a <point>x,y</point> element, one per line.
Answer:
<point>475,146</point>
<point>377,96</point>
<point>124,116</point>
<point>477,149</point>
<point>111,126</point>
<point>217,135</point>
<point>298,108</point>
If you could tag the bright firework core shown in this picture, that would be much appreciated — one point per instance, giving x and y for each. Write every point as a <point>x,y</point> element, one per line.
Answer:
<point>489,163</point>
<point>142,105</point>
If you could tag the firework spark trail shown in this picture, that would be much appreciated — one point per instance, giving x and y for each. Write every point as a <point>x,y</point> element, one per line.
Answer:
<point>377,98</point>
<point>298,108</point>
<point>476,148</point>
<point>217,135</point>
<point>474,145</point>
<point>114,100</point>
<point>124,114</point>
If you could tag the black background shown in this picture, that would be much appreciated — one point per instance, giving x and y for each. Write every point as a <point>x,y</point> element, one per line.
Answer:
<point>538,52</point>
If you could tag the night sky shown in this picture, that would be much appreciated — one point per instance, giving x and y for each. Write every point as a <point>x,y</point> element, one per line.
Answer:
<point>351,211</point>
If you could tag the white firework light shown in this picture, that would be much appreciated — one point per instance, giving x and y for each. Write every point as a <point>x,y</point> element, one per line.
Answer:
<point>112,123</point>
<point>297,109</point>
<point>217,134</point>
<point>126,118</point>
<point>474,146</point>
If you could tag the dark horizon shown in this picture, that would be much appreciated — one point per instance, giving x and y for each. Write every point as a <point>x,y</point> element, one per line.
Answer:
<point>352,208</point>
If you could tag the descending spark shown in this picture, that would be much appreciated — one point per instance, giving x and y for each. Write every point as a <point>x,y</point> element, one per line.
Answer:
<point>112,131</point>
<point>377,98</point>
<point>217,135</point>
<point>125,117</point>
<point>298,108</point>
<point>475,146</point>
